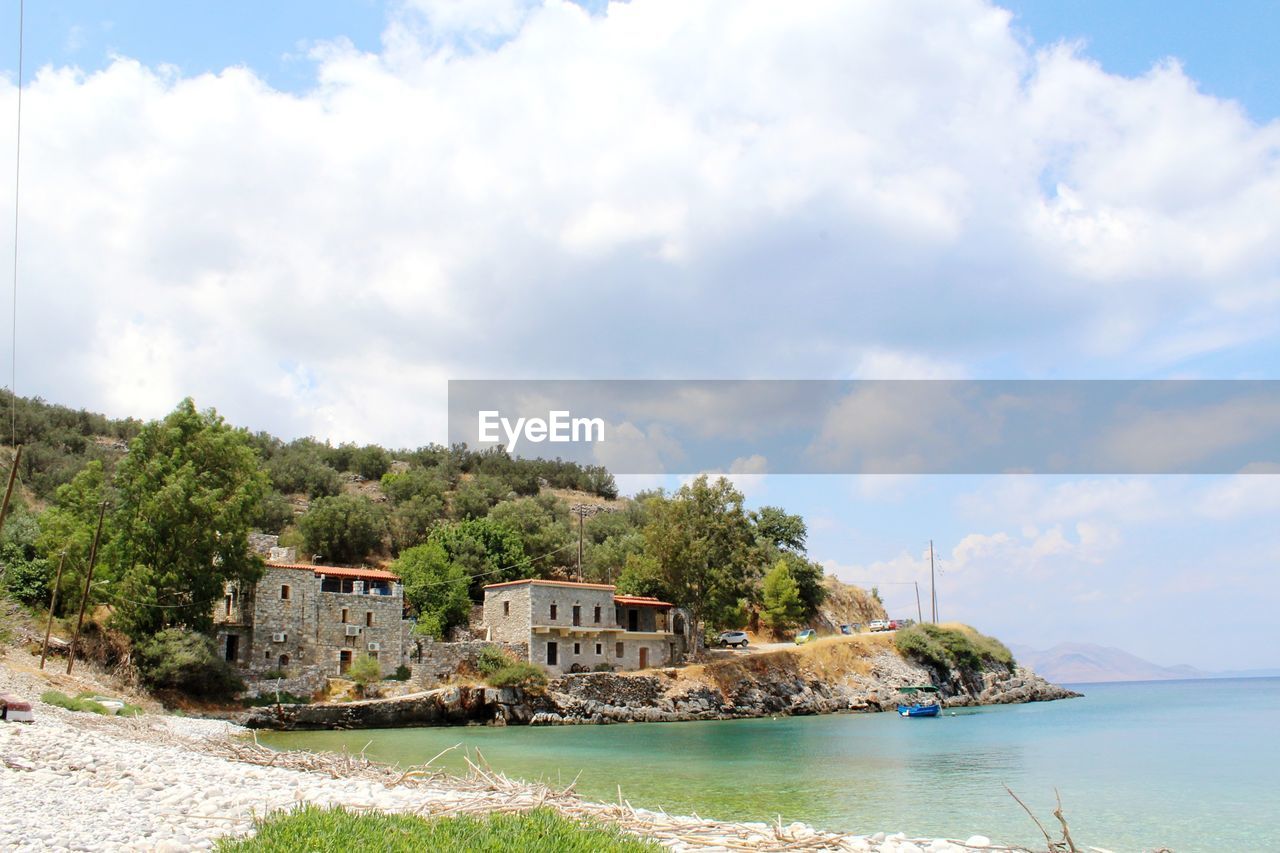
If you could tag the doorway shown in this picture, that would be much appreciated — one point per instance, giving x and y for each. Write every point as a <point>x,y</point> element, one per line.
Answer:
<point>633,620</point>
<point>344,661</point>
<point>553,655</point>
<point>644,657</point>
<point>233,648</point>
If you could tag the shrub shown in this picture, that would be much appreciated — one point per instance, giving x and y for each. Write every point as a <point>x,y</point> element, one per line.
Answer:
<point>402,673</point>
<point>274,674</point>
<point>944,648</point>
<point>314,828</point>
<point>344,529</point>
<point>519,674</point>
<point>491,659</point>
<point>188,662</point>
<point>602,667</point>
<point>365,670</point>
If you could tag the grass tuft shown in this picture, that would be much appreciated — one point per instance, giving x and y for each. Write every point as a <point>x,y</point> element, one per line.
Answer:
<point>84,702</point>
<point>332,830</point>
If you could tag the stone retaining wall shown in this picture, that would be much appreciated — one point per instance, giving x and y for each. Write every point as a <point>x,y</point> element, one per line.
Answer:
<point>438,662</point>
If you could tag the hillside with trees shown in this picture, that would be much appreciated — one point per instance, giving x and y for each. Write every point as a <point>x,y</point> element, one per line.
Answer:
<point>183,494</point>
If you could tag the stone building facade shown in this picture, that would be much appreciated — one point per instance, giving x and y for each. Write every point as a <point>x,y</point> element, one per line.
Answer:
<point>576,627</point>
<point>299,617</point>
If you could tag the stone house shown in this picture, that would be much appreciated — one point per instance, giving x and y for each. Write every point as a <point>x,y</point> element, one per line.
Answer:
<point>575,627</point>
<point>313,618</point>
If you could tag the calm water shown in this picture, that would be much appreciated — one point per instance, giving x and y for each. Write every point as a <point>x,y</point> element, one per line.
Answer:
<point>1194,765</point>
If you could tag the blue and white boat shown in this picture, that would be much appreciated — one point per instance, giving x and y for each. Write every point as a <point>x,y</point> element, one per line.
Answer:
<point>920,709</point>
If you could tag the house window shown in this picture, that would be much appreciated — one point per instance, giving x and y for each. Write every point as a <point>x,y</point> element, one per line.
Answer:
<point>577,649</point>
<point>285,592</point>
<point>368,619</point>
<point>283,661</point>
<point>228,605</point>
<point>577,614</point>
<point>597,614</point>
<point>619,650</point>
<point>553,612</point>
<point>266,655</point>
<point>344,616</point>
<point>599,646</point>
<point>506,608</point>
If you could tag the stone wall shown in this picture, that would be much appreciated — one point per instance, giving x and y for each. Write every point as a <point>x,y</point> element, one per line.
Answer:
<point>298,680</point>
<point>438,662</point>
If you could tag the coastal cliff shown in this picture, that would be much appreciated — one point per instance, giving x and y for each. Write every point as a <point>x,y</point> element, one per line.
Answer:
<point>840,674</point>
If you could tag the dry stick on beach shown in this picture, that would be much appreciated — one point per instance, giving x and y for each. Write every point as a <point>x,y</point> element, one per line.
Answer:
<point>1067,844</point>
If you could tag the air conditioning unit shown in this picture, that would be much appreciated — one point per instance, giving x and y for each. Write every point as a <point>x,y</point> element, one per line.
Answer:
<point>353,630</point>
<point>279,638</point>
<point>375,647</point>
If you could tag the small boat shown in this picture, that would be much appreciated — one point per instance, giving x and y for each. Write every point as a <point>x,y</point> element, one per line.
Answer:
<point>920,709</point>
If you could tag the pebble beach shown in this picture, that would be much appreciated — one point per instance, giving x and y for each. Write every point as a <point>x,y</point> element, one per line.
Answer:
<point>78,781</point>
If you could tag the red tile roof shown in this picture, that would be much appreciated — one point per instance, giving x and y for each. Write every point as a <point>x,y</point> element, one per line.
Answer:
<point>541,582</point>
<point>641,601</point>
<point>339,571</point>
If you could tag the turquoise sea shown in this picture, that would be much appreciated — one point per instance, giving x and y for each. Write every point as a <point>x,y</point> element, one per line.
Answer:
<point>1191,765</point>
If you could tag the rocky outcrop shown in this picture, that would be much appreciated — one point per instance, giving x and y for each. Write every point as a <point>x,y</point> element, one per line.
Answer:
<point>771,684</point>
<point>449,706</point>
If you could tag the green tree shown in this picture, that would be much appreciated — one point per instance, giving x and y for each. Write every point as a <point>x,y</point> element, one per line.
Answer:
<point>411,521</point>
<point>435,588</point>
<point>344,528</point>
<point>775,526</point>
<point>476,496</point>
<point>702,539</point>
<point>299,468</point>
<point>69,526</point>
<point>808,576</point>
<point>642,575</point>
<point>542,524</point>
<point>782,605</point>
<point>27,575</point>
<point>186,496</point>
<point>487,551</point>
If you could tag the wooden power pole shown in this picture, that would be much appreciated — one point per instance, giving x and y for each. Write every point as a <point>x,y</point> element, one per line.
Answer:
<point>53,602</point>
<point>933,585</point>
<point>84,599</point>
<point>919,613</point>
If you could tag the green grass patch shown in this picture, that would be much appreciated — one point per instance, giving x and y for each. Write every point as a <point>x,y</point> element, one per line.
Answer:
<point>945,648</point>
<point>316,830</point>
<point>84,702</point>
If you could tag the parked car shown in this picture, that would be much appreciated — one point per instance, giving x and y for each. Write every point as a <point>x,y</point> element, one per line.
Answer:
<point>879,625</point>
<point>732,638</point>
<point>846,629</point>
<point>893,625</point>
<point>808,635</point>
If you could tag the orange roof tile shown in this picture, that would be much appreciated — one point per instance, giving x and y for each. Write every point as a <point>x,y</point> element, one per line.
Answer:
<point>339,571</point>
<point>641,601</point>
<point>541,582</point>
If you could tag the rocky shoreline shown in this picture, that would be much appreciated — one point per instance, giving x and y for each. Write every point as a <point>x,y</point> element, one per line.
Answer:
<point>76,781</point>
<point>671,695</point>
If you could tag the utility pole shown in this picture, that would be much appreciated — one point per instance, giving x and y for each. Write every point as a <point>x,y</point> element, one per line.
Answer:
<point>919,614</point>
<point>580,515</point>
<point>53,602</point>
<point>13,475</point>
<point>84,599</point>
<point>933,585</point>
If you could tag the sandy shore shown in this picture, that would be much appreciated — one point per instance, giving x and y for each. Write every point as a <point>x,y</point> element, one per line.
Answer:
<point>76,781</point>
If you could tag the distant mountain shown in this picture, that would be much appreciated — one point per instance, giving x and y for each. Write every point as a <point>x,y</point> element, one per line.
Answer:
<point>1086,663</point>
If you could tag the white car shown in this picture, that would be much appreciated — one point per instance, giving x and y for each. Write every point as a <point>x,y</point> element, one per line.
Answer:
<point>732,638</point>
<point>879,625</point>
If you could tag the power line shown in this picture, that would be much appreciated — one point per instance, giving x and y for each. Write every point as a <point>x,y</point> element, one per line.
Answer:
<point>17,177</point>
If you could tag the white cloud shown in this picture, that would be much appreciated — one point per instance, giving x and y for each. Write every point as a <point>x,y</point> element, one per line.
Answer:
<point>667,189</point>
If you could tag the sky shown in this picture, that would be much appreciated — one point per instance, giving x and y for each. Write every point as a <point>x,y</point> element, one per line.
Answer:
<point>311,216</point>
